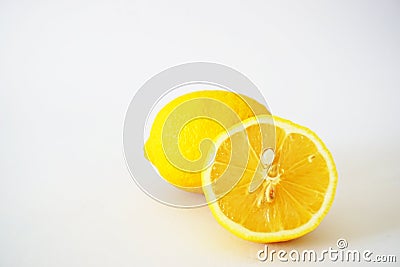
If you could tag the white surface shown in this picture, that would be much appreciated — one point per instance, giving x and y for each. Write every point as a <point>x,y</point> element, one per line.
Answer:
<point>68,70</point>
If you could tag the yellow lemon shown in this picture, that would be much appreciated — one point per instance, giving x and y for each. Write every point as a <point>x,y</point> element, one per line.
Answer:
<point>281,201</point>
<point>181,132</point>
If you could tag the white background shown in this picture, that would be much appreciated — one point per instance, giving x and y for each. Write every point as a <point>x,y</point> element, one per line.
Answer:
<point>68,70</point>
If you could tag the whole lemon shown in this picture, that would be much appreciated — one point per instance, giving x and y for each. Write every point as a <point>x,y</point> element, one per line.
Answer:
<point>181,132</point>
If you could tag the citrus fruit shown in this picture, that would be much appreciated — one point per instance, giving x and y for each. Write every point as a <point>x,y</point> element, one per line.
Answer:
<point>275,199</point>
<point>177,145</point>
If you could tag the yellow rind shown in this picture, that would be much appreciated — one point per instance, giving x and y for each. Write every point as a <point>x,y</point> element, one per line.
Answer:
<point>243,106</point>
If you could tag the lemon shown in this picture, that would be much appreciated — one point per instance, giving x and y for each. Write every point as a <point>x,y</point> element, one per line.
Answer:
<point>181,132</point>
<point>275,200</point>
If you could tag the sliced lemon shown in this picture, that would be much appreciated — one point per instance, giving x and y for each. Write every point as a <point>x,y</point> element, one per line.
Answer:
<point>275,199</point>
